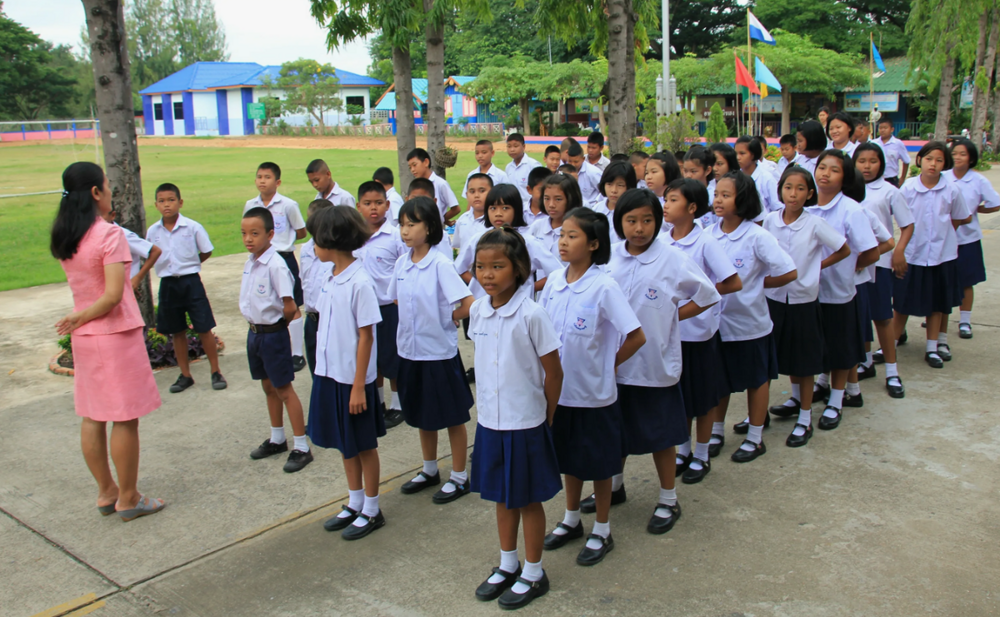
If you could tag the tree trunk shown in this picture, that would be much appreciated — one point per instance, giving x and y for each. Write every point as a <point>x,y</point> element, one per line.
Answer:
<point>786,111</point>
<point>979,113</point>
<point>944,97</point>
<point>621,75</point>
<point>602,122</point>
<point>113,82</point>
<point>406,132</point>
<point>977,95</point>
<point>526,117</point>
<point>435,88</point>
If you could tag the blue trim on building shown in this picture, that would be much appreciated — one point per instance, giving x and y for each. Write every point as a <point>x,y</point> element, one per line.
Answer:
<point>187,103</point>
<point>222,105</point>
<point>147,114</point>
<point>247,98</point>
<point>168,115</point>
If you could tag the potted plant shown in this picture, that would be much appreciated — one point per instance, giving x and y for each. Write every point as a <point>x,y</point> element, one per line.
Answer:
<point>446,157</point>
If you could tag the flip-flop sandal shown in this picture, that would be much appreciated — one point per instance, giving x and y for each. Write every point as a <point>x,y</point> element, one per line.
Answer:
<point>106,510</point>
<point>145,507</point>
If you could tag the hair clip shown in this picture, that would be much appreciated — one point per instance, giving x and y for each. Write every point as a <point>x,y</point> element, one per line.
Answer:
<point>65,193</point>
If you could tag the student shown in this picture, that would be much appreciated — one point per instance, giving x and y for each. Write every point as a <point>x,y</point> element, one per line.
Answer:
<point>419,162</point>
<point>564,149</point>
<point>560,196</point>
<point>183,245</point>
<point>980,197</point>
<point>432,385</point>
<point>661,170</point>
<point>314,274</point>
<point>514,461</point>
<point>748,348</point>
<point>383,175</point>
<point>484,156</point>
<point>617,178</point>
<point>533,209</point>
<point>477,186</point>
<point>344,409</point>
<point>144,253</point>
<point>749,155</point>
<point>379,256</point>
<point>569,170</point>
<point>319,177</point>
<point>620,157</point>
<point>664,288</point>
<point>599,331</point>
<point>289,226</point>
<point>553,159</point>
<point>520,165</point>
<point>588,176</point>
<point>886,202</point>
<point>931,286</point>
<point>768,164</point>
<point>823,115</point>
<point>703,378</point>
<point>810,142</point>
<point>795,308</point>
<point>697,165</point>
<point>595,151</point>
<point>422,187</point>
<point>862,133</point>
<point>895,153</point>
<point>724,161</point>
<point>638,160</point>
<point>267,303</point>
<point>840,129</point>
<point>788,155</point>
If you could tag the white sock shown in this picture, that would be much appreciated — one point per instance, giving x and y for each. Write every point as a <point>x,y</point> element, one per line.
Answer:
<point>430,468</point>
<point>754,435</point>
<point>300,443</point>
<point>601,529</point>
<point>854,389</point>
<point>394,403</point>
<point>616,481</point>
<point>669,497</point>
<point>932,347</point>
<point>532,572</point>
<point>684,449</point>
<point>355,501</point>
<point>965,317</point>
<point>700,452</point>
<point>508,563</point>
<point>942,338</point>
<point>370,509</point>
<point>457,477</point>
<point>823,379</point>
<point>381,396</point>
<point>296,330</point>
<point>277,434</point>
<point>836,403</point>
<point>570,519</point>
<point>718,428</point>
<point>796,395</point>
<point>891,370</point>
<point>869,360</point>
<point>805,418</point>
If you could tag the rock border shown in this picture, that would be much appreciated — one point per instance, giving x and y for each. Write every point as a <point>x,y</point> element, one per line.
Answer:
<point>68,372</point>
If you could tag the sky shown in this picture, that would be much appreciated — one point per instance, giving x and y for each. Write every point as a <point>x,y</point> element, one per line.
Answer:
<point>255,31</point>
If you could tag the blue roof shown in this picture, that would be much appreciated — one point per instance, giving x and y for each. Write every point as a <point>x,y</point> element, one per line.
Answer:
<point>210,75</point>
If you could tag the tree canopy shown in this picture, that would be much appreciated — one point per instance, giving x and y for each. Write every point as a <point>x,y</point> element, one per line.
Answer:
<point>838,25</point>
<point>31,79</point>
<point>310,87</point>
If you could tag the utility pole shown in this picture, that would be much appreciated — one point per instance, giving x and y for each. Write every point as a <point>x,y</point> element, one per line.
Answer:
<point>666,86</point>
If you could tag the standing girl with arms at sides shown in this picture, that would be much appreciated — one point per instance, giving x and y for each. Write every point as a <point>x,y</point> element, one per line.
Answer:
<point>840,130</point>
<point>514,462</point>
<point>433,390</point>
<point>560,195</point>
<point>749,155</point>
<point>810,141</point>
<point>664,287</point>
<point>748,349</point>
<point>661,170</point>
<point>618,177</point>
<point>931,286</point>
<point>724,161</point>
<point>591,316</point>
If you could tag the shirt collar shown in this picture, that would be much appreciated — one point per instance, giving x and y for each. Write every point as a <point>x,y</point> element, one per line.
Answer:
<point>689,239</point>
<point>738,233</point>
<point>581,285</point>
<point>342,277</point>
<point>507,309</point>
<point>382,229</point>
<point>274,200</point>
<point>434,177</point>
<point>920,188</point>
<point>876,185</point>
<point>647,257</point>
<point>968,177</point>
<point>265,257</point>
<point>335,190</point>
<point>182,221</point>
<point>423,264</point>
<point>797,224</point>
<point>833,202</point>
<point>759,169</point>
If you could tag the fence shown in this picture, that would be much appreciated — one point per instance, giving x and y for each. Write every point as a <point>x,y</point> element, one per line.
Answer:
<point>43,130</point>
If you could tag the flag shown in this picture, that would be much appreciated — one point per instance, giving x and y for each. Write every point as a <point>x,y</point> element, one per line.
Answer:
<point>763,90</point>
<point>743,78</point>
<point>877,58</point>
<point>765,76</point>
<point>758,31</point>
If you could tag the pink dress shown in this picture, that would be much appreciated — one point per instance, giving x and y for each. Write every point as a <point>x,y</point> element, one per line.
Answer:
<point>113,380</point>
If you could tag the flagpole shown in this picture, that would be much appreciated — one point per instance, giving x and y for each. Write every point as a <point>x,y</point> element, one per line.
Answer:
<point>871,80</point>
<point>750,68</point>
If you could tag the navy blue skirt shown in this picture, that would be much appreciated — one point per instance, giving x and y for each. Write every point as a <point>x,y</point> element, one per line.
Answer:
<point>749,364</point>
<point>387,357</point>
<point>331,424</point>
<point>928,289</point>
<point>845,346</point>
<point>864,311</point>
<point>434,394</point>
<point>653,419</point>
<point>588,441</point>
<point>971,265</point>
<point>703,380</point>
<point>880,294</point>
<point>515,468</point>
<point>798,337</point>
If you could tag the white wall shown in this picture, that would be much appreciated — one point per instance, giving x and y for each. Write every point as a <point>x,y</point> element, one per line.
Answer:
<point>234,99</point>
<point>330,118</point>
<point>206,113</point>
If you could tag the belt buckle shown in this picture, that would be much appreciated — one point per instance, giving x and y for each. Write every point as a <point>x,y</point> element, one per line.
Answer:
<point>253,328</point>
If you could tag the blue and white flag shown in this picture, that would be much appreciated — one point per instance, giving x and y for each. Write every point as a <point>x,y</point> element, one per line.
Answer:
<point>758,31</point>
<point>877,57</point>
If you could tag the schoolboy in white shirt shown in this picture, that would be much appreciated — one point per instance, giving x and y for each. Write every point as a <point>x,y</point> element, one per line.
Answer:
<point>788,156</point>
<point>484,156</point>
<point>419,162</point>
<point>383,175</point>
<point>595,151</point>
<point>468,223</point>
<point>897,159</point>
<point>318,173</point>
<point>314,275</point>
<point>588,176</point>
<point>533,207</point>
<point>422,187</point>
<point>520,166</point>
<point>144,253</point>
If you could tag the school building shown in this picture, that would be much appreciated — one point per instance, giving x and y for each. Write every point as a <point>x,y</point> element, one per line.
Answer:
<point>458,108</point>
<point>214,98</point>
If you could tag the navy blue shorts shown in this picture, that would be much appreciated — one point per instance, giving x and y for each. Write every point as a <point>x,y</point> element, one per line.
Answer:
<point>180,297</point>
<point>270,357</point>
<point>293,265</point>
<point>515,468</point>
<point>387,356</point>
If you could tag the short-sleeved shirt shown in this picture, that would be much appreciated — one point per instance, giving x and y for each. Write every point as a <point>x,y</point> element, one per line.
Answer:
<point>934,239</point>
<point>395,203</point>
<point>542,262</point>
<point>767,188</point>
<point>809,164</point>
<point>780,167</point>
<point>591,316</point>
<point>867,274</point>
<point>181,246</point>
<point>426,292</point>
<point>287,220</point>
<point>313,274</point>
<point>754,254</point>
<point>895,151</point>
<point>347,303</point>
<point>602,163</point>
<point>848,149</point>
<point>517,174</point>
<point>467,226</point>
<point>589,179</point>
<point>530,217</point>
<point>847,217</point>
<point>446,199</point>
<point>510,382</point>
<point>103,244</point>
<point>379,256</point>
<point>804,240</point>
<point>266,282</point>
<point>656,282</point>
<point>887,203</point>
<point>338,196</point>
<point>546,234</point>
<point>706,253</point>
<point>976,190</point>
<point>496,174</point>
<point>138,248</point>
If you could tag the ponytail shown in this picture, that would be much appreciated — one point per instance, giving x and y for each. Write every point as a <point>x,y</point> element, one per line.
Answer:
<point>77,210</point>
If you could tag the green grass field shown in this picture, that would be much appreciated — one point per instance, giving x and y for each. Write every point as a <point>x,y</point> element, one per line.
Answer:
<point>214,182</point>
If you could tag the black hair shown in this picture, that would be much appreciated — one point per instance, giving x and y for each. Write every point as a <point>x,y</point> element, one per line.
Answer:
<point>77,209</point>
<point>512,244</point>
<point>484,142</point>
<point>566,168</point>
<point>752,145</point>
<point>615,170</point>
<point>693,192</point>
<point>480,176</point>
<point>272,167</point>
<point>384,175</point>
<point>596,138</point>
<point>340,228</point>
<point>747,198</point>
<point>852,186</point>
<point>729,154</point>
<point>931,146</point>
<point>703,156</point>
<point>595,225</point>
<point>822,109</point>
<point>886,120</point>
<point>317,166</point>
<point>422,184</point>
<point>795,170</point>
<point>870,147</point>
<point>970,148</point>
<point>552,149</point>
<point>619,156</point>
<point>574,149</point>
<point>371,187</point>
<point>814,134</point>
<point>315,206</point>
<point>569,187</point>
<point>263,214</point>
<point>762,141</point>
<point>679,154</point>
<point>668,163</point>
<point>423,210</point>
<point>515,137</point>
<point>638,155</point>
<point>538,174</point>
<point>787,140</point>
<point>506,194</point>
<point>418,153</point>
<point>846,119</point>
<point>167,187</point>
<point>633,199</point>
<point>566,143</point>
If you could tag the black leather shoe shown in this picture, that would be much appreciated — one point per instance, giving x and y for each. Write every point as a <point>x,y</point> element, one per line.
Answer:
<point>878,357</point>
<point>297,460</point>
<point>933,360</point>
<point>267,449</point>
<point>866,372</point>
<point>894,390</point>
<point>411,487</point>
<point>821,394</point>
<point>682,466</point>
<point>944,351</point>
<point>555,540</point>
<point>461,490</point>
<point>902,339</point>
<point>715,449</point>
<point>182,384</point>
<point>745,456</point>
<point>337,523</point>
<point>592,557</point>
<point>491,591</point>
<point>964,330</point>
<point>743,427</point>
<point>589,505</point>
<point>828,424</point>
<point>797,441</point>
<point>510,601</point>
<point>298,363</point>
<point>853,400</point>
<point>353,532</point>
<point>694,476</point>
<point>785,411</point>
<point>470,375</point>
<point>657,525</point>
<point>393,418</point>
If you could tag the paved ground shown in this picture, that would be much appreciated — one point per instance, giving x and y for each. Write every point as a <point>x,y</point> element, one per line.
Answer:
<point>895,513</point>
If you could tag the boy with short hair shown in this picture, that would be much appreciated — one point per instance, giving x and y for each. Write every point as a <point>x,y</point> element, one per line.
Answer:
<point>484,156</point>
<point>314,274</point>
<point>520,165</point>
<point>533,208</point>
<point>595,151</point>
<point>552,159</point>
<point>639,160</point>
<point>318,173</point>
<point>477,187</point>
<point>588,176</point>
<point>267,303</point>
<point>895,151</point>
<point>788,155</point>
<point>568,169</point>
<point>420,166</point>
<point>185,246</point>
<point>564,148</point>
<point>383,175</point>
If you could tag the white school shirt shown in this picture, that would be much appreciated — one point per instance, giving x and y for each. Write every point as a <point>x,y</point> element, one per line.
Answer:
<point>266,282</point>
<point>465,226</point>
<point>496,174</point>
<point>591,317</point>
<point>655,284</point>
<point>781,166</point>
<point>934,239</point>
<point>641,183</point>
<point>138,246</point>
<point>601,205</point>
<point>542,262</point>
<point>547,235</point>
<point>379,256</point>
<point>887,203</point>
<point>181,247</point>
<point>347,303</point>
<point>602,163</point>
<point>313,274</point>
<point>976,190</point>
<point>709,218</point>
<point>395,203</point>
<point>446,199</point>
<point>530,217</point>
<point>847,217</point>
<point>517,174</point>
<point>706,253</point>
<point>895,151</point>
<point>589,179</point>
<point>426,293</point>
<point>867,274</point>
<point>769,165</point>
<point>848,149</point>
<point>804,241</point>
<point>809,164</point>
<point>287,220</point>
<point>767,189</point>
<point>510,381</point>
<point>338,197</point>
<point>754,254</point>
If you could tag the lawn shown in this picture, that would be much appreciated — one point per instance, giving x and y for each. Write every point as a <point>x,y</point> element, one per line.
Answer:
<point>214,182</point>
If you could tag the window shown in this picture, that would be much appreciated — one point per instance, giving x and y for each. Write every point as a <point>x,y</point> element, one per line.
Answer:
<point>157,111</point>
<point>178,111</point>
<point>356,100</point>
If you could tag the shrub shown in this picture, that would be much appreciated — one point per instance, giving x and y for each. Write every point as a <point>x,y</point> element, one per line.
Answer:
<point>355,110</point>
<point>904,134</point>
<point>716,131</point>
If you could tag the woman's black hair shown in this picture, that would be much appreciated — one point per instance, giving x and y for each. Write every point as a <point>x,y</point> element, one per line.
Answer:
<point>595,225</point>
<point>703,156</point>
<point>814,134</point>
<point>728,153</point>
<point>618,169</point>
<point>752,145</point>
<point>970,148</point>
<point>339,228</point>
<point>933,145</point>
<point>795,170</point>
<point>853,185</point>
<point>511,243</point>
<point>569,187</point>
<point>506,194</point>
<point>424,210</point>
<point>693,192</point>
<point>747,198</point>
<point>822,109</point>
<point>77,209</point>
<point>633,199</point>
<point>846,119</point>
<point>870,147</point>
<point>668,163</point>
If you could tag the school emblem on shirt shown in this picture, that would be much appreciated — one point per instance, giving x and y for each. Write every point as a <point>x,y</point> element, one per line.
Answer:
<point>738,262</point>
<point>581,323</point>
<point>651,293</point>
<point>260,289</point>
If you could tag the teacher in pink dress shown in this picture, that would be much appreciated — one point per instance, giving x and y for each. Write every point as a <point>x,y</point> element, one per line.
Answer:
<point>113,380</point>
